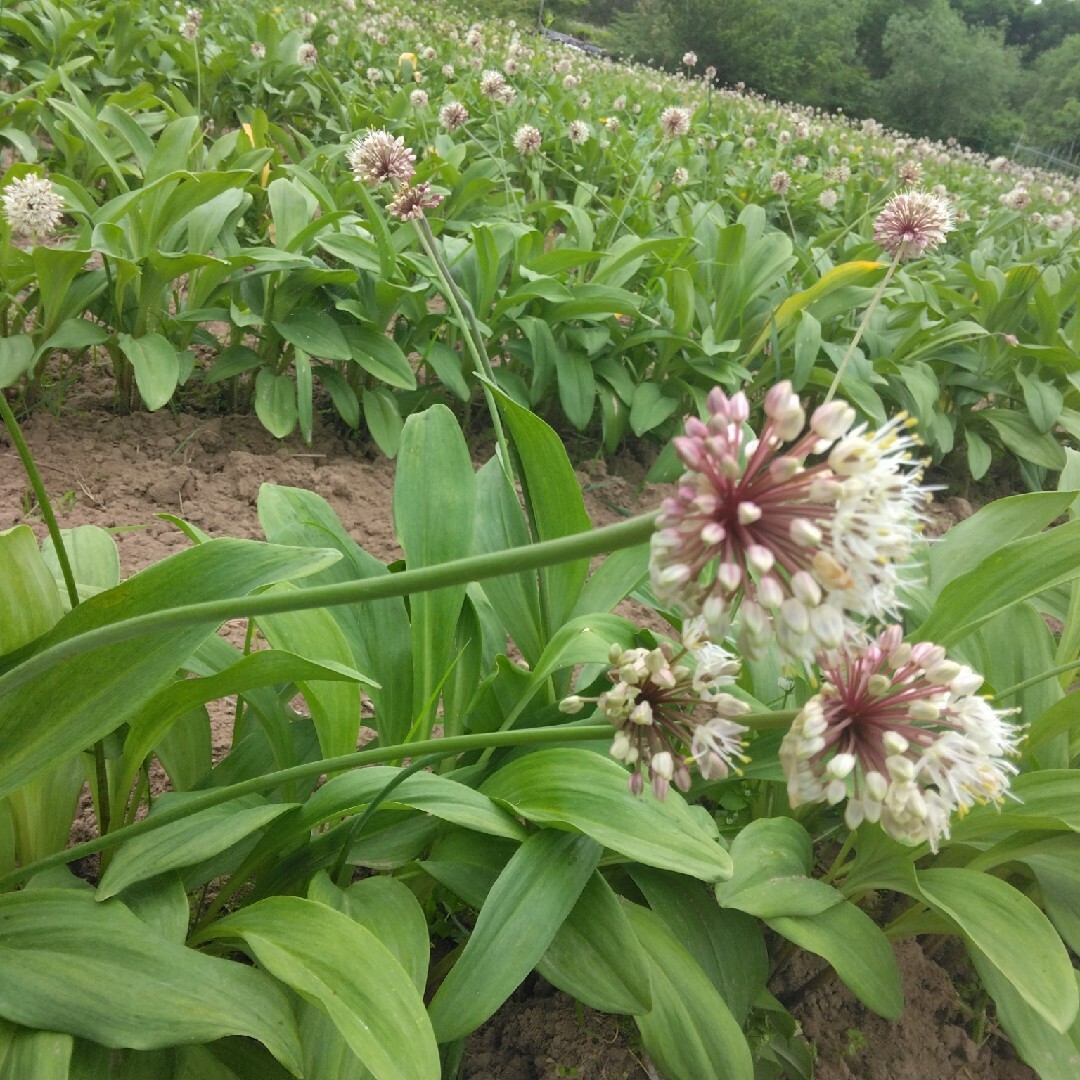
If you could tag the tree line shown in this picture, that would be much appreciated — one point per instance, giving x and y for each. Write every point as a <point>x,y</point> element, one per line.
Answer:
<point>988,72</point>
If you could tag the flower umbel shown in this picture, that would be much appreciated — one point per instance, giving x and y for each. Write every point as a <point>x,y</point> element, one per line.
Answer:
<point>32,206</point>
<point>900,732</point>
<point>793,547</point>
<point>380,158</point>
<point>674,122</point>
<point>412,200</point>
<point>912,223</point>
<point>669,714</point>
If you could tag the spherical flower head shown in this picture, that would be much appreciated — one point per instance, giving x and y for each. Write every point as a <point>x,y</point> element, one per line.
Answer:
<point>909,172</point>
<point>680,177</point>
<point>189,28</point>
<point>526,140</point>
<point>674,122</point>
<point>828,198</point>
<point>578,132</point>
<point>307,54</point>
<point>453,115</point>
<point>795,531</point>
<point>900,733</point>
<point>32,206</point>
<point>689,59</point>
<point>780,182</point>
<point>258,50</point>
<point>380,158</point>
<point>912,223</point>
<point>411,200</point>
<point>418,99</point>
<point>670,710</point>
<point>493,85</point>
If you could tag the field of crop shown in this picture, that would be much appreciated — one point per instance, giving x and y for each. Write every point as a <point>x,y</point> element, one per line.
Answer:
<point>424,236</point>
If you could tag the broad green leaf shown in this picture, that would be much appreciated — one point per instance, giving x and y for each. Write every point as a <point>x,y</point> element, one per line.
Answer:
<point>187,842</point>
<point>156,366</point>
<point>573,788</point>
<point>379,631</point>
<point>993,526</point>
<point>275,402</point>
<point>522,913</point>
<point>60,950</point>
<point>1056,865</point>
<point>314,332</point>
<point>334,704</point>
<point>1013,935</point>
<point>264,667</point>
<point>650,407</point>
<point>87,696</point>
<point>380,356</point>
<point>41,1055</point>
<point>576,386</point>
<point>856,948</point>
<point>554,501</point>
<point>1020,435</point>
<point>1013,573</point>
<point>434,515</point>
<point>390,910</point>
<point>383,419</point>
<point>500,524</point>
<point>1045,799</point>
<point>29,598</point>
<point>441,796</point>
<point>595,956</point>
<point>336,963</point>
<point>94,559</point>
<point>773,858</point>
<point>1052,1054</point>
<point>292,208</point>
<point>614,579</point>
<point>728,945</point>
<point>690,1032</point>
<point>16,358</point>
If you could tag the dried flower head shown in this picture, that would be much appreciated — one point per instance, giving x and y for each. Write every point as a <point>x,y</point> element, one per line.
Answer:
<point>411,200</point>
<point>670,710</point>
<point>912,223</point>
<point>795,547</point>
<point>680,177</point>
<point>380,158</point>
<point>307,54</point>
<point>674,122</point>
<point>258,50</point>
<point>453,115</point>
<point>901,733</point>
<point>32,206</point>
<point>526,140</point>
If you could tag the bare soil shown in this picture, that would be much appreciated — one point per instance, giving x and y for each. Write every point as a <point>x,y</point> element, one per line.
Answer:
<point>120,471</point>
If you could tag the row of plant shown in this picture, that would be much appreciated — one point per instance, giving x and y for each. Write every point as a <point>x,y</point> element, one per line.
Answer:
<point>627,240</point>
<point>838,711</point>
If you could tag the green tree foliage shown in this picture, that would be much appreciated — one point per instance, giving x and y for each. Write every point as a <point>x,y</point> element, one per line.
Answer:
<point>947,78</point>
<point>1052,113</point>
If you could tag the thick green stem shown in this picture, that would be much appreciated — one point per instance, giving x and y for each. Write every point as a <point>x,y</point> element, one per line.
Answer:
<point>862,326</point>
<point>474,339</point>
<point>100,774</point>
<point>42,497</point>
<point>460,744</point>
<point>622,534</point>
